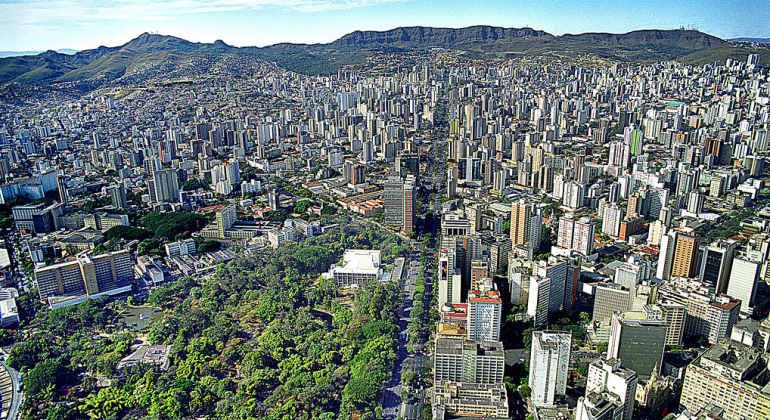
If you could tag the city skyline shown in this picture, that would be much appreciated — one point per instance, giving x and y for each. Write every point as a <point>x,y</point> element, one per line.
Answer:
<point>42,25</point>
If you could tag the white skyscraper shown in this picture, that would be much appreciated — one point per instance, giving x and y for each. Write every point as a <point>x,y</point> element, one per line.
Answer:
<point>449,280</point>
<point>538,297</point>
<point>607,380</point>
<point>612,217</point>
<point>549,362</point>
<point>666,256</point>
<point>744,279</point>
<point>484,312</point>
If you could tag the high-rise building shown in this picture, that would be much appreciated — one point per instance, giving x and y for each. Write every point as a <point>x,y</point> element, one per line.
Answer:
<point>695,201</point>
<point>538,298</point>
<point>166,185</point>
<point>518,284</point>
<point>732,375</point>
<point>666,255</point>
<point>744,279</point>
<point>484,312</point>
<point>577,235</point>
<point>717,264</point>
<point>479,271</point>
<point>225,219</point>
<point>449,278</point>
<point>685,254</point>
<point>526,223</point>
<point>712,318</point>
<point>613,214</point>
<point>463,360</point>
<point>393,195</point>
<point>633,272</point>
<point>548,366</point>
<point>410,203</point>
<point>61,182</point>
<point>118,196</point>
<point>674,314</point>
<point>498,253</point>
<point>638,342</point>
<point>610,298</point>
<point>610,392</point>
<point>88,276</point>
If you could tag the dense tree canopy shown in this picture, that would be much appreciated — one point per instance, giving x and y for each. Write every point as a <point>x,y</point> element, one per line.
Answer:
<point>246,343</point>
<point>169,225</point>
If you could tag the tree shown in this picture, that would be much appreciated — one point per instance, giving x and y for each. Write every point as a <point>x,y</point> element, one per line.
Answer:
<point>525,391</point>
<point>127,232</point>
<point>46,373</point>
<point>208,246</point>
<point>61,412</point>
<point>302,206</point>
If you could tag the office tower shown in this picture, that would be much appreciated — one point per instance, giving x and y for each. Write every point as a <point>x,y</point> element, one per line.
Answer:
<point>614,193</point>
<point>410,203</point>
<point>574,195</point>
<point>638,342</point>
<point>712,318</point>
<point>449,278</point>
<point>613,214</point>
<point>472,251</point>
<point>484,312</point>
<point>577,235</point>
<point>407,163</point>
<point>728,374</point>
<point>274,200</point>
<point>166,185</point>
<point>526,223</point>
<point>632,272</point>
<point>498,254</point>
<point>548,365</point>
<point>518,284</point>
<point>539,298</point>
<point>578,164</point>
<point>685,254</point>
<point>666,255</point>
<point>61,183</point>
<point>695,202</point>
<point>744,279</point>
<point>610,298</point>
<point>498,182</point>
<point>115,160</point>
<point>367,152</point>
<point>610,390</point>
<point>462,360</point>
<point>357,174</point>
<point>67,283</point>
<point>118,196</point>
<point>225,219</point>
<point>393,195</point>
<point>479,271</point>
<point>674,314</point>
<point>716,265</point>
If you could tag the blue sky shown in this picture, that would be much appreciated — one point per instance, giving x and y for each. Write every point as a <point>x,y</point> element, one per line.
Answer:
<point>54,24</point>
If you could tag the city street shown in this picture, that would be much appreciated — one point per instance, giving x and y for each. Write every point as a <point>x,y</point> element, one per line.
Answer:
<point>391,403</point>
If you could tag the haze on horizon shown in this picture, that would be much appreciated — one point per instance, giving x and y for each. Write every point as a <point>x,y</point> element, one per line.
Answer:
<point>31,25</point>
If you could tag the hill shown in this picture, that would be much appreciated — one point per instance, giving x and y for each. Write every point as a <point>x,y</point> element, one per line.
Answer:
<point>90,69</point>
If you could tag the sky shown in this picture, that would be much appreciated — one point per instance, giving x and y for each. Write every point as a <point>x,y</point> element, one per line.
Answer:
<point>36,25</point>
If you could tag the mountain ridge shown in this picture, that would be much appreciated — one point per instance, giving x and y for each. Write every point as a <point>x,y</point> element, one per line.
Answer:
<point>105,64</point>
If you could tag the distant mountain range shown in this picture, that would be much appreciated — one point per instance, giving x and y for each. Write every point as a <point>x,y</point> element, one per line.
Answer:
<point>19,53</point>
<point>760,40</point>
<point>91,69</point>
